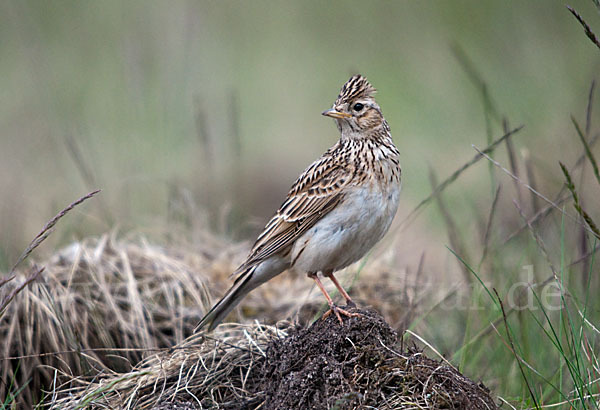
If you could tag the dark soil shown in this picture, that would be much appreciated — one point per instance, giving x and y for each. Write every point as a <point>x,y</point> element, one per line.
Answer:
<point>355,365</point>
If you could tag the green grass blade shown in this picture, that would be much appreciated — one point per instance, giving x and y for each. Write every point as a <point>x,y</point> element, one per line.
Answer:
<point>588,150</point>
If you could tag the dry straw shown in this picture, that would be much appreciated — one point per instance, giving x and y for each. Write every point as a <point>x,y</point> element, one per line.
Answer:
<point>211,371</point>
<point>104,304</point>
<point>96,295</point>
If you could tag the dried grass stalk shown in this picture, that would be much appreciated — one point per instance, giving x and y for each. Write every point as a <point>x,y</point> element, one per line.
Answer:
<point>208,371</point>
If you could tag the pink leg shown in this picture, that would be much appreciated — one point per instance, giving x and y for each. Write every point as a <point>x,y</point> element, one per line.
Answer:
<point>332,307</point>
<point>339,287</point>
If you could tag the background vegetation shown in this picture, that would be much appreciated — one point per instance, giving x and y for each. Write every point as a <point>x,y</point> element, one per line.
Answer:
<point>201,114</point>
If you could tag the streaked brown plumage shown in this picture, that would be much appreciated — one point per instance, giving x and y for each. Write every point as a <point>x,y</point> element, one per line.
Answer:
<point>338,208</point>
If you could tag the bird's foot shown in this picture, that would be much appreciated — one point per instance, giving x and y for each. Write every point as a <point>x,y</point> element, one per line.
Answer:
<point>337,311</point>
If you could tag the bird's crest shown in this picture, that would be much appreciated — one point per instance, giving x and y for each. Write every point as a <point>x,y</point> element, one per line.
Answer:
<point>356,87</point>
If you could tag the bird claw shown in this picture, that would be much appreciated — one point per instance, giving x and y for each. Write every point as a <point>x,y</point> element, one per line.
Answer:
<point>337,310</point>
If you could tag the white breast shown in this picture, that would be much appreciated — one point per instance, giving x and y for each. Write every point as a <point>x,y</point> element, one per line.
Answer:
<point>350,230</point>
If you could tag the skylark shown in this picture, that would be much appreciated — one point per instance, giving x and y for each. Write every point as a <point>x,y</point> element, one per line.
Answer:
<point>340,206</point>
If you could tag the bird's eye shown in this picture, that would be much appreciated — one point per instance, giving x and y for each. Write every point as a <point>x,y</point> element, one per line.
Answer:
<point>358,106</point>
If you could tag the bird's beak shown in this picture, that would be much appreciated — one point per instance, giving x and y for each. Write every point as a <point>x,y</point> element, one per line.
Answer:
<point>333,113</point>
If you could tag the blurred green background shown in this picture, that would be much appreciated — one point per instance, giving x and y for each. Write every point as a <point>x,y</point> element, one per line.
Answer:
<point>219,102</point>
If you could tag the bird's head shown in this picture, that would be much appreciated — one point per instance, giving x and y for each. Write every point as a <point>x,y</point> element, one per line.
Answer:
<point>355,110</point>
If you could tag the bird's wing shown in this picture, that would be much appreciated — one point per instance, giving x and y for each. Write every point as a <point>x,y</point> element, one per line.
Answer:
<point>315,193</point>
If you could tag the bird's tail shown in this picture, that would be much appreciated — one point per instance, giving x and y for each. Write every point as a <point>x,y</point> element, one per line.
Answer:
<point>221,309</point>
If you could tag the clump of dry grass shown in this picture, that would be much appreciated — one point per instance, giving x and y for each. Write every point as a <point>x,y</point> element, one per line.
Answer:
<point>104,304</point>
<point>206,370</point>
<point>99,307</point>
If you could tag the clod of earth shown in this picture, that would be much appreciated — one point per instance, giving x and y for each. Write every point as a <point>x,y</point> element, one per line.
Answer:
<point>356,365</point>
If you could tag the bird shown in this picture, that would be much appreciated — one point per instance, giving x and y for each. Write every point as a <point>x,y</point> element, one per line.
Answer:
<point>335,212</point>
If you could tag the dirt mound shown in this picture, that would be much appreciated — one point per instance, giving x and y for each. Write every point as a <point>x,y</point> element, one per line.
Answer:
<point>327,365</point>
<point>355,365</point>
